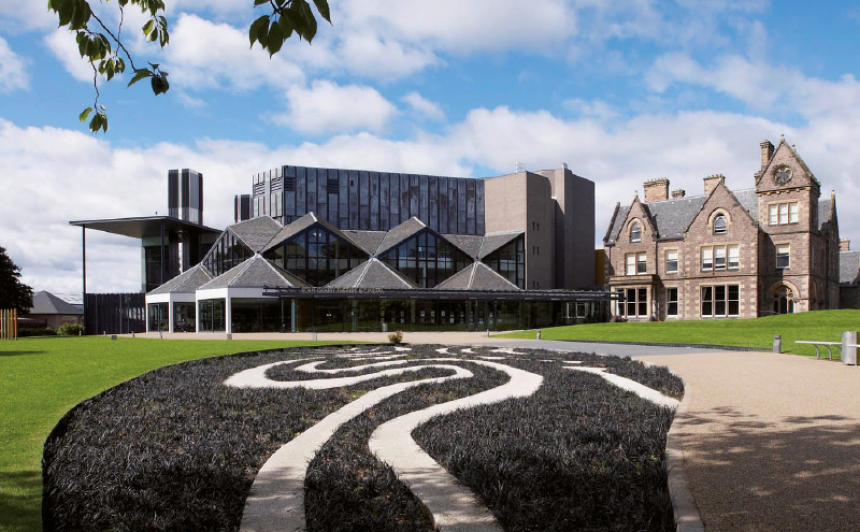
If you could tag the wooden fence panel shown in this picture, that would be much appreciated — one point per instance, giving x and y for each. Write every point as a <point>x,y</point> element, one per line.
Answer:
<point>8,324</point>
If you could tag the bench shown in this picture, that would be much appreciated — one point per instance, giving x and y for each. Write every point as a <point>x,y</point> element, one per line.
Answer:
<point>818,347</point>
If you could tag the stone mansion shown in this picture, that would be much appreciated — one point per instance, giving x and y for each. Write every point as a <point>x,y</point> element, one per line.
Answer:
<point>743,253</point>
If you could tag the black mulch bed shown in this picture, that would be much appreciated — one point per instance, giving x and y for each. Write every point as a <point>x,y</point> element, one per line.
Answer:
<point>175,449</point>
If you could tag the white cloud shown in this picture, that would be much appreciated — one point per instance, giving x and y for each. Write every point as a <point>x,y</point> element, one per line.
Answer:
<point>326,107</point>
<point>62,44</point>
<point>16,15</point>
<point>424,107</point>
<point>13,73</point>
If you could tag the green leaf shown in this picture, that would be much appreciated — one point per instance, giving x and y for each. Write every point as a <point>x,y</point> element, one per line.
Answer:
<point>260,2</point>
<point>261,24</point>
<point>322,7</point>
<point>310,21</point>
<point>139,74</point>
<point>148,26</point>
<point>84,114</point>
<point>276,38</point>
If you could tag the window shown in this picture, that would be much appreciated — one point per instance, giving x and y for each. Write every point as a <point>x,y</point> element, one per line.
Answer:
<point>508,261</point>
<point>636,263</point>
<point>714,257</point>
<point>720,225</point>
<point>720,301</point>
<point>672,302</point>
<point>636,232</point>
<point>783,259</point>
<point>672,261</point>
<point>637,302</point>
<point>783,213</point>
<point>707,259</point>
<point>428,260</point>
<point>316,255</point>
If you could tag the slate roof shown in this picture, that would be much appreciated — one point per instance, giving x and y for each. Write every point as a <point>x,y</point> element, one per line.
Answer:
<point>256,232</point>
<point>849,265</point>
<point>47,303</point>
<point>185,283</point>
<point>478,276</point>
<point>494,241</point>
<point>399,233</point>
<point>468,244</point>
<point>367,241</point>
<point>823,213</point>
<point>371,273</point>
<point>291,229</point>
<point>255,272</point>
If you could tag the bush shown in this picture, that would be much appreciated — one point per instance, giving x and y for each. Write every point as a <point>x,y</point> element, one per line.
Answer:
<point>29,331</point>
<point>396,337</point>
<point>70,329</point>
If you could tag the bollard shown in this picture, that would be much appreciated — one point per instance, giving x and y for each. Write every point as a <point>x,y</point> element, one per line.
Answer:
<point>314,336</point>
<point>538,334</point>
<point>113,337</point>
<point>488,333</point>
<point>229,336</point>
<point>777,343</point>
<point>132,334</point>
<point>160,335</point>
<point>849,354</point>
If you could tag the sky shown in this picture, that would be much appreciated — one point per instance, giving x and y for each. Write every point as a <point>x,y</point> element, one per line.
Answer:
<point>622,92</point>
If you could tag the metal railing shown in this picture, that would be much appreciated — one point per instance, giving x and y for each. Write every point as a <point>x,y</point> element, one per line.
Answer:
<point>818,345</point>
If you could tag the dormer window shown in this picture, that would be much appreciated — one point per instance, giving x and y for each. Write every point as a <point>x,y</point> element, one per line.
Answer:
<point>720,225</point>
<point>636,232</point>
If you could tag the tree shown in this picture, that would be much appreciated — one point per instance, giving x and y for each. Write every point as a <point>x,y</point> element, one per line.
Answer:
<point>100,42</point>
<point>13,293</point>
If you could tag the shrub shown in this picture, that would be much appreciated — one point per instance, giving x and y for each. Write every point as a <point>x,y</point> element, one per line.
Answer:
<point>70,329</point>
<point>396,337</point>
<point>29,331</point>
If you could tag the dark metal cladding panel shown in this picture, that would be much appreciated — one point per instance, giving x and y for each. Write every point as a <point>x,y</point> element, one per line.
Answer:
<point>173,193</point>
<point>322,194</point>
<point>433,201</point>
<point>470,206</point>
<point>414,196</point>
<point>404,198</point>
<point>183,199</point>
<point>364,201</point>
<point>200,198</point>
<point>312,191</point>
<point>461,207</point>
<point>443,205</point>
<point>301,190</point>
<point>353,200</point>
<point>374,201</point>
<point>394,199</point>
<point>480,227</point>
<point>289,195</point>
<point>452,205</point>
<point>424,198</point>
<point>343,199</point>
<point>384,202</point>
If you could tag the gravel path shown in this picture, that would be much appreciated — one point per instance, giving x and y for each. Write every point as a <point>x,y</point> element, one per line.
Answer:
<point>771,442</point>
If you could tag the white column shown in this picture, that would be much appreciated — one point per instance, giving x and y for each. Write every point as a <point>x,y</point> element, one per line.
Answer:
<point>196,315</point>
<point>146,315</point>
<point>228,315</point>
<point>170,314</point>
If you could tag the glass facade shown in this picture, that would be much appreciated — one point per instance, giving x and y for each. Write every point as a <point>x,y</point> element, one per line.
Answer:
<point>183,317</point>
<point>227,252</point>
<point>316,255</point>
<point>212,317</point>
<point>509,261</point>
<point>258,315</point>
<point>425,259</point>
<point>158,317</point>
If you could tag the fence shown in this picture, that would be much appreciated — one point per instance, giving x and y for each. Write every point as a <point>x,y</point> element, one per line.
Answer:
<point>8,324</point>
<point>115,313</point>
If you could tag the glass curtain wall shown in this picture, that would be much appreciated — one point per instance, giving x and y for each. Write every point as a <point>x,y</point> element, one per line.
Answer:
<point>212,318</point>
<point>316,255</point>
<point>183,317</point>
<point>260,315</point>
<point>426,259</point>
<point>227,252</point>
<point>158,316</point>
<point>509,261</point>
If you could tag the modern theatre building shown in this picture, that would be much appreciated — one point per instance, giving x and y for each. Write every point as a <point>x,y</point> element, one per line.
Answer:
<point>347,250</point>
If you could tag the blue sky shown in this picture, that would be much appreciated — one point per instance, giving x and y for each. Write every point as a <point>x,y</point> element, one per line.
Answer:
<point>621,91</point>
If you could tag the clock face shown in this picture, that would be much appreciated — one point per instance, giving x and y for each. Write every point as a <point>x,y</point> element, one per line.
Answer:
<point>783,175</point>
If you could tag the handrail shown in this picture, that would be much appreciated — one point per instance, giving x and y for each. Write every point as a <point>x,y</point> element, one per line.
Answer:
<point>825,344</point>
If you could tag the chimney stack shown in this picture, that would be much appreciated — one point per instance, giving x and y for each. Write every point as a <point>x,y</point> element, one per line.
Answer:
<point>844,244</point>
<point>712,181</point>
<point>656,189</point>
<point>679,194</point>
<point>766,152</point>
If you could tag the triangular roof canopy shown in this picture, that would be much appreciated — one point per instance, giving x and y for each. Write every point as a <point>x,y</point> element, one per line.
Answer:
<point>255,272</point>
<point>399,233</point>
<point>478,276</point>
<point>47,303</point>
<point>302,223</point>
<point>186,282</point>
<point>372,273</point>
<point>468,244</point>
<point>367,241</point>
<point>256,232</point>
<point>494,241</point>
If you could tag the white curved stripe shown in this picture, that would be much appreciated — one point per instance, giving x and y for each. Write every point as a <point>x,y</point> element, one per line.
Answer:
<point>256,378</point>
<point>277,497</point>
<point>311,367</point>
<point>649,394</point>
<point>453,506</point>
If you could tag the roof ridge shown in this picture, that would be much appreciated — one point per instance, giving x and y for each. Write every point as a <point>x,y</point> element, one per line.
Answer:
<point>363,273</point>
<point>497,274</point>
<point>244,267</point>
<point>272,267</point>
<point>472,274</point>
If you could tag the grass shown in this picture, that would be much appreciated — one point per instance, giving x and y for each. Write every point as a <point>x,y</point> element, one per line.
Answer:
<point>755,332</point>
<point>45,377</point>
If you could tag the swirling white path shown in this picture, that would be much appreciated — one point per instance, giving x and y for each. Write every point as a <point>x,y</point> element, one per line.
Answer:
<point>649,394</point>
<point>276,499</point>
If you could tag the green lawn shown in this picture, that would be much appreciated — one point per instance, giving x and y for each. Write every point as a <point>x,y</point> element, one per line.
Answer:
<point>755,332</point>
<point>42,378</point>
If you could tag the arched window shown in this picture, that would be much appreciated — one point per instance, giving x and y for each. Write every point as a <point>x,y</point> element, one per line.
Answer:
<point>783,302</point>
<point>636,232</point>
<point>720,225</point>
